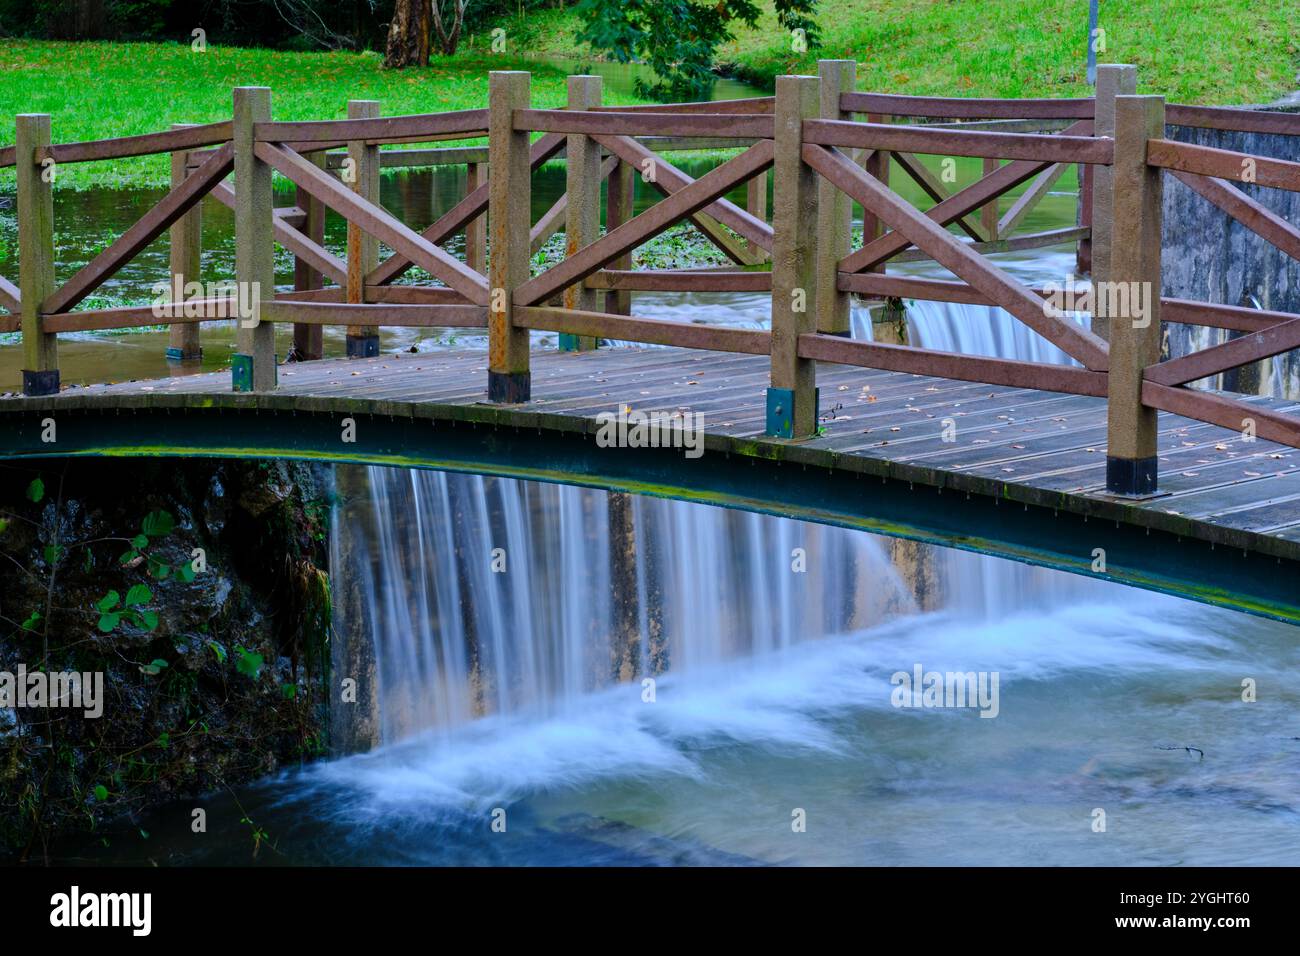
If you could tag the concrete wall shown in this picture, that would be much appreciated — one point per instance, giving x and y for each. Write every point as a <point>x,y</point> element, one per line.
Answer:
<point>1210,257</point>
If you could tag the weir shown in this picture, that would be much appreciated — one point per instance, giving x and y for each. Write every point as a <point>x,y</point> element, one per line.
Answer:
<point>478,596</point>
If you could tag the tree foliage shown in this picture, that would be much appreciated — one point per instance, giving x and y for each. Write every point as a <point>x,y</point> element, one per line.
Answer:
<point>293,24</point>
<point>679,38</point>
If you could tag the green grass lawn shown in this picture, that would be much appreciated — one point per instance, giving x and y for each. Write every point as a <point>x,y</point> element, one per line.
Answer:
<point>102,90</point>
<point>1193,51</point>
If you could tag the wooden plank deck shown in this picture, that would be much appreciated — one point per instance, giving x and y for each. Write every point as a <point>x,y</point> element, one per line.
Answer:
<point>1019,444</point>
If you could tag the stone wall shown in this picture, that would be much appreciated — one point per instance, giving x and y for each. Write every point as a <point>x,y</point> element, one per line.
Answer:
<point>1208,256</point>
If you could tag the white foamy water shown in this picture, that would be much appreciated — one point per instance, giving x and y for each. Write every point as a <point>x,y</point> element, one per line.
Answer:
<point>1097,701</point>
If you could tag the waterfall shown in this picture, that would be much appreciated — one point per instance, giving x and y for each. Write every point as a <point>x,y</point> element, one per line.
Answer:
<point>979,330</point>
<point>497,596</point>
<point>486,596</point>
<point>978,584</point>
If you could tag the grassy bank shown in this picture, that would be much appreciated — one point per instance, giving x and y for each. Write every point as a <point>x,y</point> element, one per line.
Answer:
<point>102,90</point>
<point>1193,51</point>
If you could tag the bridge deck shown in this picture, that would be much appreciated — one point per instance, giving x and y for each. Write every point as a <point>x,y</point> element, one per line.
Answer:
<point>1035,447</point>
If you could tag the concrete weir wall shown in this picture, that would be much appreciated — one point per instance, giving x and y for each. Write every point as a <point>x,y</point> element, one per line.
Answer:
<point>1210,257</point>
<point>354,707</point>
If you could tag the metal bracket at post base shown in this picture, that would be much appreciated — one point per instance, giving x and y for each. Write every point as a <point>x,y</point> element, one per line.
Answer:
<point>41,383</point>
<point>510,388</point>
<point>241,372</point>
<point>1132,477</point>
<point>780,412</point>
<point>180,355</point>
<point>577,343</point>
<point>363,346</point>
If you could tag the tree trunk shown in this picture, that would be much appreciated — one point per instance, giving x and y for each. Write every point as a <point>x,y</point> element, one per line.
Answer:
<point>449,39</point>
<point>408,35</point>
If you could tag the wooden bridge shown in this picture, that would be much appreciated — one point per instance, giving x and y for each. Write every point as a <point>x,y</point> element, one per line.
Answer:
<point>1113,467</point>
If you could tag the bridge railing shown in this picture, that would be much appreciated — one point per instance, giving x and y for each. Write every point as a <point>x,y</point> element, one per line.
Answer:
<point>1217,176</point>
<point>522,303</point>
<point>991,231</point>
<point>822,160</point>
<point>811,148</point>
<point>38,305</point>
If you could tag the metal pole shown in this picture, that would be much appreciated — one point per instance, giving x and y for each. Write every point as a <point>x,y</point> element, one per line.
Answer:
<point>1092,42</point>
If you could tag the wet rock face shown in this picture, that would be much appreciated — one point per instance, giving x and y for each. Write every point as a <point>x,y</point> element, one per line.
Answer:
<point>182,583</point>
<point>275,487</point>
<point>1210,257</point>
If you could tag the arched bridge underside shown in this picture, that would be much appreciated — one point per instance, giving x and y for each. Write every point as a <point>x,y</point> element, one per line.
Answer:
<point>1010,472</point>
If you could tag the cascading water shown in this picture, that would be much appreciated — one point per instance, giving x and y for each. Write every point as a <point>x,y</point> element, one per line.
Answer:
<point>496,596</point>
<point>978,330</point>
<point>978,584</point>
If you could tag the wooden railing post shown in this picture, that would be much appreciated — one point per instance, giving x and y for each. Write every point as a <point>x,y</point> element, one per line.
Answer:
<point>252,366</point>
<point>989,211</point>
<point>35,253</point>
<point>875,162</point>
<point>1113,79</point>
<point>792,398</point>
<point>476,229</point>
<point>756,206</point>
<point>834,208</point>
<point>1083,218</point>
<point>619,208</point>
<point>1132,277</point>
<point>308,338</point>
<point>363,248</point>
<point>582,212</point>
<point>186,245</point>
<point>509,224</point>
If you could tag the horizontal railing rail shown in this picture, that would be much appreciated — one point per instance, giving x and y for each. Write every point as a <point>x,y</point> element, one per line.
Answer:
<point>1233,119</point>
<point>419,127</point>
<point>1052,148</point>
<point>953,107</point>
<point>147,144</point>
<point>757,104</point>
<point>715,125</point>
<point>1224,164</point>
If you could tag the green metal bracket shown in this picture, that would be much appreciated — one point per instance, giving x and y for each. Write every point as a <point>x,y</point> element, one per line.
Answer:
<point>577,343</point>
<point>780,411</point>
<point>241,372</point>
